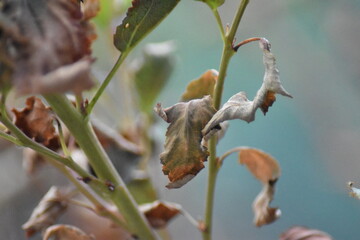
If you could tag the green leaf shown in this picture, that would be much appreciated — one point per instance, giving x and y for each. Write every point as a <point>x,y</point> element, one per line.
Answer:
<point>183,156</point>
<point>151,72</point>
<point>201,87</point>
<point>213,4</point>
<point>140,20</point>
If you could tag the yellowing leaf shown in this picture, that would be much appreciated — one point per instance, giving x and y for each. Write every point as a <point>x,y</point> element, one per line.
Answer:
<point>240,107</point>
<point>159,213</point>
<point>303,233</point>
<point>51,206</point>
<point>48,46</point>
<point>184,156</point>
<point>140,20</point>
<point>36,121</point>
<point>201,87</point>
<point>266,170</point>
<point>66,232</point>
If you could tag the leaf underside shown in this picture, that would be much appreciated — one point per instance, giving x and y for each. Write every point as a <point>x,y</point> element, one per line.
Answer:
<point>240,107</point>
<point>140,20</point>
<point>184,155</point>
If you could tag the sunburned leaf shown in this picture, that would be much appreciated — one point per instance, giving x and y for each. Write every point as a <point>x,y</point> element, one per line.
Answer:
<point>303,233</point>
<point>354,192</point>
<point>49,209</point>
<point>140,20</point>
<point>184,156</point>
<point>213,4</point>
<point>36,121</point>
<point>151,72</point>
<point>49,43</point>
<point>159,213</point>
<point>201,87</point>
<point>65,232</point>
<point>266,170</point>
<point>239,107</point>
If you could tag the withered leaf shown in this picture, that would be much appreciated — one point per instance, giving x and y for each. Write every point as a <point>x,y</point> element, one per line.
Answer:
<point>266,170</point>
<point>49,44</point>
<point>240,107</point>
<point>140,20</point>
<point>65,232</point>
<point>201,87</point>
<point>264,167</point>
<point>303,233</point>
<point>354,192</point>
<point>49,209</point>
<point>36,121</point>
<point>184,156</point>
<point>159,213</point>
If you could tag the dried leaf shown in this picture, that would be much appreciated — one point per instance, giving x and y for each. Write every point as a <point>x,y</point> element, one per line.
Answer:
<point>66,232</point>
<point>239,107</point>
<point>151,71</point>
<point>184,156</point>
<point>354,192</point>
<point>303,233</point>
<point>201,87</point>
<point>49,209</point>
<point>140,20</point>
<point>159,213</point>
<point>213,4</point>
<point>264,167</point>
<point>266,170</point>
<point>36,121</point>
<point>49,44</point>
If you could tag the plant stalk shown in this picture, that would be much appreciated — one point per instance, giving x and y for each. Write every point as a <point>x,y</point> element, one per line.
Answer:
<point>105,83</point>
<point>102,165</point>
<point>213,164</point>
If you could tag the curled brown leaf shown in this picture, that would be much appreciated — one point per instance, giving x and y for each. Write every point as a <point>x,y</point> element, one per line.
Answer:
<point>159,213</point>
<point>65,232</point>
<point>303,233</point>
<point>49,209</point>
<point>240,107</point>
<point>184,155</point>
<point>36,121</point>
<point>266,169</point>
<point>49,43</point>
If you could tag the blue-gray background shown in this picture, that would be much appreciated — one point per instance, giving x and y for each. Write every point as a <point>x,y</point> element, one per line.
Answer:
<point>315,136</point>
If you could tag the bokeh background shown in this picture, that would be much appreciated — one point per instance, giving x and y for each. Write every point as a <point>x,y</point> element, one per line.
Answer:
<point>315,136</point>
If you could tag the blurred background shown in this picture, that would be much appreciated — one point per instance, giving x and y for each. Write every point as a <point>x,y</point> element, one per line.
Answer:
<point>315,136</point>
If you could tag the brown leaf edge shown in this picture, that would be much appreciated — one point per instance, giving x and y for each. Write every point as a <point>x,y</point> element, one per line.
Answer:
<point>66,232</point>
<point>159,213</point>
<point>35,120</point>
<point>184,155</point>
<point>267,170</point>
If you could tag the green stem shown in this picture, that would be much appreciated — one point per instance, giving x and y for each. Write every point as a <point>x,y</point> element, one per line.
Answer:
<point>219,23</point>
<point>105,83</point>
<point>213,164</point>
<point>99,207</point>
<point>102,165</point>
